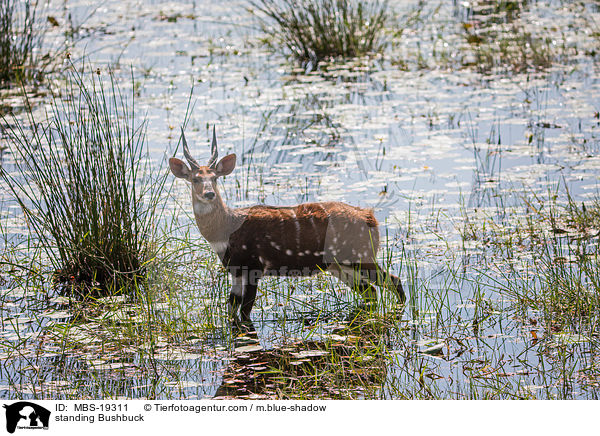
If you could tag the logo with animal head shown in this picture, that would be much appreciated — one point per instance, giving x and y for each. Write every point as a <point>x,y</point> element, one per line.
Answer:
<point>26,415</point>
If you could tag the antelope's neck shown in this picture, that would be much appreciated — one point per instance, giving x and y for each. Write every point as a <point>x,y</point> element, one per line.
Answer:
<point>215,220</point>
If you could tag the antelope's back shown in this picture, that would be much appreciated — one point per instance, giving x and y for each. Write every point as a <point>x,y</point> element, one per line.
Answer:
<point>303,239</point>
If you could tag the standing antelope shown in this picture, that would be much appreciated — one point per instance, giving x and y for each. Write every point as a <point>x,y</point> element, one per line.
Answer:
<point>296,240</point>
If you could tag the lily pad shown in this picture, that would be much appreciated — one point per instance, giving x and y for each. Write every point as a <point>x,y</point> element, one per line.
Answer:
<point>249,348</point>
<point>435,350</point>
<point>309,353</point>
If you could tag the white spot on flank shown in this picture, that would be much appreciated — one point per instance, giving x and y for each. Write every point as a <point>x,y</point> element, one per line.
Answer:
<point>275,245</point>
<point>297,225</point>
<point>244,247</point>
<point>288,252</point>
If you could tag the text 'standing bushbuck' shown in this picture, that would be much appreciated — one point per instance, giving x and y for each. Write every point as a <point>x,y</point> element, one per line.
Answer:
<point>295,241</point>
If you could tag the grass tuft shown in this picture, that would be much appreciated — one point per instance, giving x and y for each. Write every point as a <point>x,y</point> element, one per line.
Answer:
<point>568,254</point>
<point>313,31</point>
<point>83,181</point>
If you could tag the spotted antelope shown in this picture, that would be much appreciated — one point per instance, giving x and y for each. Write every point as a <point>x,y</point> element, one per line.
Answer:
<point>300,240</point>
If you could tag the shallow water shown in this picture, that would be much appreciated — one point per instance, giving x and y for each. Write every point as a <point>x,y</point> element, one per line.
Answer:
<point>421,146</point>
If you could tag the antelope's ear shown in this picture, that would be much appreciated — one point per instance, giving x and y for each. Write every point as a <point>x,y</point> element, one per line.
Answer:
<point>179,168</point>
<point>226,165</point>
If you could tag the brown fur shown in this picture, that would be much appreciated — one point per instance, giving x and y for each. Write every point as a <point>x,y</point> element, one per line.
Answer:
<point>294,240</point>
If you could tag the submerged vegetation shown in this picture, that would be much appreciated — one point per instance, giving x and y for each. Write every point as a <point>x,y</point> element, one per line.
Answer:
<point>314,31</point>
<point>474,137</point>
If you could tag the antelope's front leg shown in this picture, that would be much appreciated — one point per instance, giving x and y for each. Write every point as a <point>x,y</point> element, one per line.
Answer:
<point>236,296</point>
<point>248,301</point>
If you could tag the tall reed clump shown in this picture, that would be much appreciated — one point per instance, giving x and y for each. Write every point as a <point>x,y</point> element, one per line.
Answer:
<point>315,30</point>
<point>20,36</point>
<point>82,177</point>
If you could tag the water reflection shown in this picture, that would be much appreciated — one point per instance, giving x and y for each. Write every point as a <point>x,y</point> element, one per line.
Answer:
<point>348,361</point>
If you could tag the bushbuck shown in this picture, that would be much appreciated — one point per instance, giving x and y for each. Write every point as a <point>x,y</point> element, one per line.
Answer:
<point>301,240</point>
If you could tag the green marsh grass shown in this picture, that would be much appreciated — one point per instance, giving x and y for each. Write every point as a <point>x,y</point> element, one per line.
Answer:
<point>565,248</point>
<point>84,183</point>
<point>314,31</point>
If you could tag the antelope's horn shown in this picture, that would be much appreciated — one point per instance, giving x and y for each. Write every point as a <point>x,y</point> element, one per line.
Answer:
<point>213,149</point>
<point>187,154</point>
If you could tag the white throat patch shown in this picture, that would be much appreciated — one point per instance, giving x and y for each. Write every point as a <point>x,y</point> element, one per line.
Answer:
<point>201,208</point>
